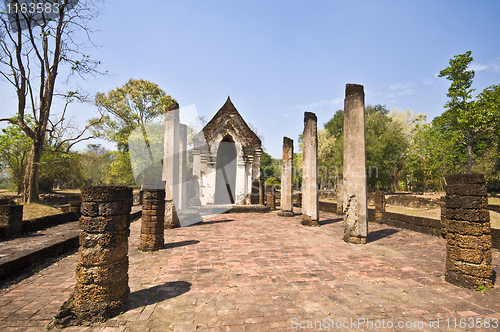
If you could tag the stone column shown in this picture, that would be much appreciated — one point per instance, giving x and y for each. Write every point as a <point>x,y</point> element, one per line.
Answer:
<point>182,167</point>
<point>153,217</point>
<point>101,286</point>
<point>379,206</point>
<point>468,241</point>
<point>340,194</point>
<point>241,180</point>
<point>355,203</point>
<point>287,179</point>
<point>310,206</point>
<point>270,199</point>
<point>11,217</point>
<point>171,165</point>
<point>261,193</point>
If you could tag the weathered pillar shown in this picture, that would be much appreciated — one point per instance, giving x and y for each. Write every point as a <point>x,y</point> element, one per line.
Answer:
<point>340,194</point>
<point>468,241</point>
<point>270,199</point>
<point>310,206</point>
<point>379,206</point>
<point>11,217</point>
<point>355,204</point>
<point>102,272</point>
<point>286,202</point>
<point>182,167</point>
<point>261,193</point>
<point>153,217</point>
<point>171,165</point>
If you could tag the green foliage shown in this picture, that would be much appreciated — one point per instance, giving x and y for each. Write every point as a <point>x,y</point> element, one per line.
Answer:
<point>62,168</point>
<point>95,161</point>
<point>468,118</point>
<point>274,182</point>
<point>15,147</point>
<point>138,104</point>
<point>386,145</point>
<point>135,104</point>
<point>119,171</point>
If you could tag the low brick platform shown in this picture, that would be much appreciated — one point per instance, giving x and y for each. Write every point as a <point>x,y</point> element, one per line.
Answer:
<point>33,249</point>
<point>261,272</point>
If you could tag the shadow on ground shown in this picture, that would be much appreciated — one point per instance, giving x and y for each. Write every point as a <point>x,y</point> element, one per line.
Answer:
<point>330,221</point>
<point>180,244</point>
<point>216,221</point>
<point>157,294</point>
<point>381,233</point>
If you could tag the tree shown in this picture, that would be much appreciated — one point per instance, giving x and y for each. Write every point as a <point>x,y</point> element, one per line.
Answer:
<point>94,162</point>
<point>14,150</point>
<point>138,104</point>
<point>385,145</point>
<point>34,48</point>
<point>471,118</point>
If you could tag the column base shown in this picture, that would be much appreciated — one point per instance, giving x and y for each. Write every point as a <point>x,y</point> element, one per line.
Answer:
<point>286,214</point>
<point>307,221</point>
<point>354,239</point>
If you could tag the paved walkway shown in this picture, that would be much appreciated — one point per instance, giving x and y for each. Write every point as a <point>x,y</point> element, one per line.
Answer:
<point>259,272</point>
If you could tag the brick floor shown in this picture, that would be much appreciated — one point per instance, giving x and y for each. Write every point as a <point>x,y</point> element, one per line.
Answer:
<point>261,272</point>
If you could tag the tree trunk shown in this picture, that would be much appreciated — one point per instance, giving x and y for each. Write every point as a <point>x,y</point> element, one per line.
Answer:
<point>469,153</point>
<point>31,175</point>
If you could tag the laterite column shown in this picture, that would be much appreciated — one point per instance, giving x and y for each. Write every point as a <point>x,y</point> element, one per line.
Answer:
<point>468,240</point>
<point>270,199</point>
<point>102,272</point>
<point>310,204</point>
<point>153,217</point>
<point>354,191</point>
<point>379,206</point>
<point>286,201</point>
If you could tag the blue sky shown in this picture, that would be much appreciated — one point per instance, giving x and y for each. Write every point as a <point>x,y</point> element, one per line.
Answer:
<point>277,59</point>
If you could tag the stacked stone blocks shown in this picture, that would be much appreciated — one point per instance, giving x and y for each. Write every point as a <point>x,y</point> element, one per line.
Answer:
<point>153,218</point>
<point>468,238</point>
<point>379,201</point>
<point>11,217</point>
<point>270,197</point>
<point>102,272</point>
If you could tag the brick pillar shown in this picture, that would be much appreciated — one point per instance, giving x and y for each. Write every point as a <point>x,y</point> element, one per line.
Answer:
<point>270,199</point>
<point>355,203</point>
<point>298,199</point>
<point>102,272</point>
<point>286,202</point>
<point>75,207</point>
<point>310,206</point>
<point>379,206</point>
<point>444,222</point>
<point>11,217</point>
<point>153,217</point>
<point>468,241</point>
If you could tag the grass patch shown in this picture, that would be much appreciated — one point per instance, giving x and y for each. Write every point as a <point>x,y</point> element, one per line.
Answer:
<point>36,210</point>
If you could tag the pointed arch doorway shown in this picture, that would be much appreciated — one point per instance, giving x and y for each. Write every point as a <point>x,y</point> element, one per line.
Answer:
<point>225,189</point>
